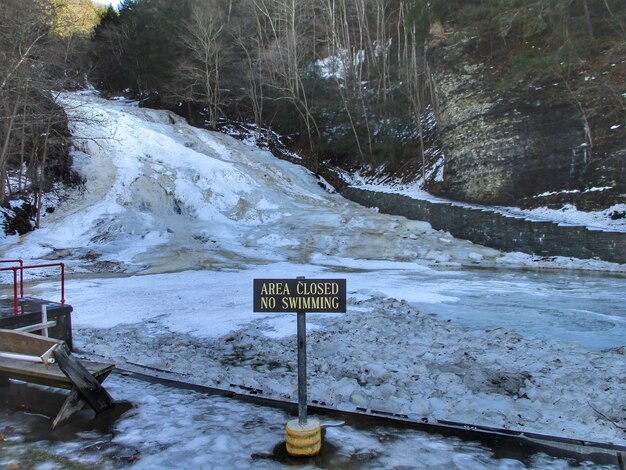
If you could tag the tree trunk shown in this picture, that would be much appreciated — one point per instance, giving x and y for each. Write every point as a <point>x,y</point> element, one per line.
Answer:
<point>44,157</point>
<point>588,18</point>
<point>4,153</point>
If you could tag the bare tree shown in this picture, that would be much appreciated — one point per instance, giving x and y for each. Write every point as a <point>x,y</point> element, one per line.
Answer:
<point>22,40</point>
<point>346,58</point>
<point>35,59</point>
<point>286,53</point>
<point>254,79</point>
<point>203,36</point>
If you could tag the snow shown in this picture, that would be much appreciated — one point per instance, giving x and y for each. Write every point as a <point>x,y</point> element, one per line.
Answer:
<point>334,66</point>
<point>568,214</point>
<point>169,428</point>
<point>360,358</point>
<point>174,224</point>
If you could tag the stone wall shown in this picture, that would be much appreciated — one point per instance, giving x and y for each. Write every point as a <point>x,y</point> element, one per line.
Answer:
<point>498,231</point>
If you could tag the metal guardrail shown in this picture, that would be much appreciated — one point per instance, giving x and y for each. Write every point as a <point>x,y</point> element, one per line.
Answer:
<point>21,268</point>
<point>21,263</point>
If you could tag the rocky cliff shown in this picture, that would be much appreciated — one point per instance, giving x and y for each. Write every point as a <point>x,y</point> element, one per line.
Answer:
<point>522,144</point>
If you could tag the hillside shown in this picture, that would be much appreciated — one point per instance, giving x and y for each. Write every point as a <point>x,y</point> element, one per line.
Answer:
<point>518,102</point>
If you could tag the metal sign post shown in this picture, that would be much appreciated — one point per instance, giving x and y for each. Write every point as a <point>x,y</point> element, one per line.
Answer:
<point>302,397</point>
<point>301,295</point>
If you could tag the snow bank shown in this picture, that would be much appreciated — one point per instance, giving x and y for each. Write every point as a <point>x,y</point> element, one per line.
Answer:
<point>386,355</point>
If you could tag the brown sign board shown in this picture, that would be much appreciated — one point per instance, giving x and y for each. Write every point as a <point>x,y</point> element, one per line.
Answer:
<point>300,295</point>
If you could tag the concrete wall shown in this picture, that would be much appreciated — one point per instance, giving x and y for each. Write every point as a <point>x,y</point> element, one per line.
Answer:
<point>497,231</point>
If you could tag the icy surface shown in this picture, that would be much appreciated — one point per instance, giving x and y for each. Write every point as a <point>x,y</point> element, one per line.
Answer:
<point>175,222</point>
<point>164,195</point>
<point>170,428</point>
<point>386,355</point>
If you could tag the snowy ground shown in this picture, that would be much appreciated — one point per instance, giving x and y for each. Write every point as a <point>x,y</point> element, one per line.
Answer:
<point>192,430</point>
<point>175,222</point>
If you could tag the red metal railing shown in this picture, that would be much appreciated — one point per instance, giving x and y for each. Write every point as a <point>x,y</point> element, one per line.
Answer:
<point>21,268</point>
<point>21,263</point>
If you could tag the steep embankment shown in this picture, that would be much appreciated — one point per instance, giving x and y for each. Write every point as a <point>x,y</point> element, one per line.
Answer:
<point>525,142</point>
<point>498,229</point>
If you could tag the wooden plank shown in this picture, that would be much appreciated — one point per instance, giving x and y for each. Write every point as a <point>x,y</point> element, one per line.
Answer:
<point>87,385</point>
<point>50,376</point>
<point>73,403</point>
<point>25,343</point>
<point>67,372</point>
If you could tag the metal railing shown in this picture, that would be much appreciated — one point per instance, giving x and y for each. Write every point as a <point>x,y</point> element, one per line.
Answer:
<point>21,263</point>
<point>21,268</point>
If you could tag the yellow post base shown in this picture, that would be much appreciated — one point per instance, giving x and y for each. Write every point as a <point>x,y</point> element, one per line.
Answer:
<point>304,440</point>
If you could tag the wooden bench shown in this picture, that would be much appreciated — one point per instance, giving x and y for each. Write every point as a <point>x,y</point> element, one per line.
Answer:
<point>46,361</point>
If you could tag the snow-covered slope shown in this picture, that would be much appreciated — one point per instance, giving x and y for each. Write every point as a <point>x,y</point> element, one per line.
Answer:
<point>162,194</point>
<point>199,215</point>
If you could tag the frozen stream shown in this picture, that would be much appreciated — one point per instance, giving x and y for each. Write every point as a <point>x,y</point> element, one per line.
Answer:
<point>174,223</point>
<point>582,308</point>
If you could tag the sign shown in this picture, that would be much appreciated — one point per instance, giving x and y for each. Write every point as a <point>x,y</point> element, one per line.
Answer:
<point>300,295</point>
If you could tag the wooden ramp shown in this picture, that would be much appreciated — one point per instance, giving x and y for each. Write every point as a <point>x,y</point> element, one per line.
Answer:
<point>46,361</point>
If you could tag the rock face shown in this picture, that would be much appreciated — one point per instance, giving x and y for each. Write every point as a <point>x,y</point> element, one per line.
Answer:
<point>508,147</point>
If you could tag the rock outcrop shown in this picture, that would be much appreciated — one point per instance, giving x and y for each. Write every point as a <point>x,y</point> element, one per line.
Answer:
<point>513,144</point>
